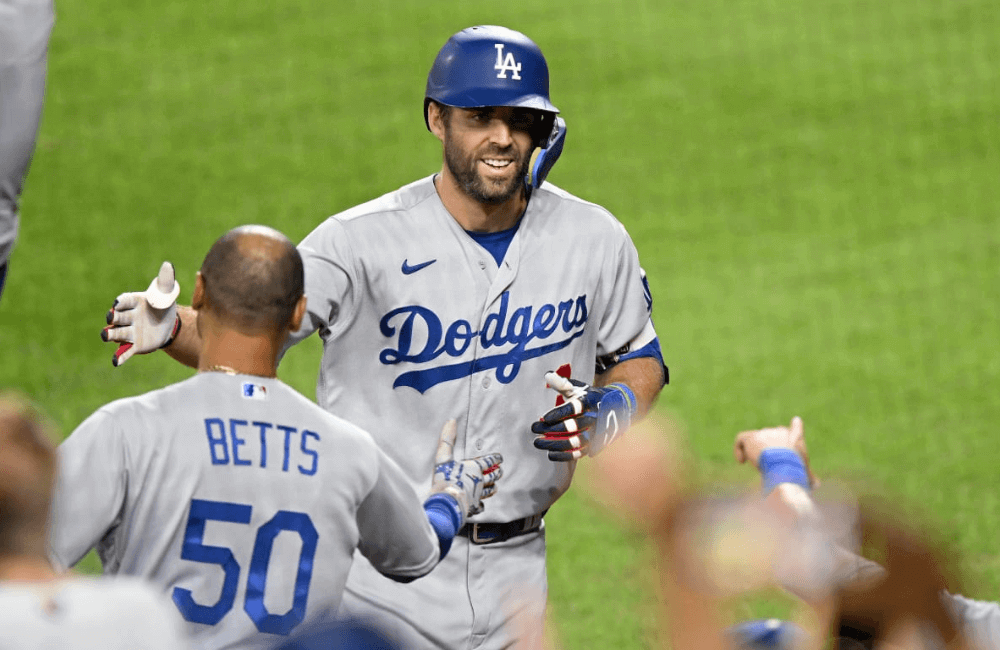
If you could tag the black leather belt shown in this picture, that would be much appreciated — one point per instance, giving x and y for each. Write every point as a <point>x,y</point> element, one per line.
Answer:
<point>490,533</point>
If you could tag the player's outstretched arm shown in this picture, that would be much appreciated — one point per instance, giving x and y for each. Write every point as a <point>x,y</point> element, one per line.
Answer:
<point>403,541</point>
<point>458,487</point>
<point>186,346</point>
<point>780,454</point>
<point>756,447</point>
<point>594,415</point>
<point>781,457</point>
<point>144,321</point>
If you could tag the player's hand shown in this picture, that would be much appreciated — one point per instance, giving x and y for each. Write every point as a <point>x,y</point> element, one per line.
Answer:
<point>470,480</point>
<point>144,321</point>
<point>639,479</point>
<point>749,445</point>
<point>589,420</point>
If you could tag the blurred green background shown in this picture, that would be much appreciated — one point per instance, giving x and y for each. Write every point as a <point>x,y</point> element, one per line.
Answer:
<point>812,186</point>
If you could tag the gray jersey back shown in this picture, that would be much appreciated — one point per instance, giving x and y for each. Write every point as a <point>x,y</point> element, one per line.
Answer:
<point>240,498</point>
<point>405,298</point>
<point>87,614</point>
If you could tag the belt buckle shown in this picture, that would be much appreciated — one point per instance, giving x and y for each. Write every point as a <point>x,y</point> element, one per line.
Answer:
<point>476,539</point>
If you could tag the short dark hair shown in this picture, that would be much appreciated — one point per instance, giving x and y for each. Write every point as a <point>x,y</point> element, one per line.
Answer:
<point>445,111</point>
<point>253,278</point>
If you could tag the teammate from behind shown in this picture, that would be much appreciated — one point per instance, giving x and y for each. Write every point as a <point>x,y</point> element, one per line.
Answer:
<point>38,608</point>
<point>452,297</point>
<point>242,499</point>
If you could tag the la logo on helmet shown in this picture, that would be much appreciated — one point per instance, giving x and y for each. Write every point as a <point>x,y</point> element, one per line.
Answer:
<point>506,64</point>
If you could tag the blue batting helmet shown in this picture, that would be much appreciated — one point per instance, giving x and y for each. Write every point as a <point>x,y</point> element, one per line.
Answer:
<point>490,66</point>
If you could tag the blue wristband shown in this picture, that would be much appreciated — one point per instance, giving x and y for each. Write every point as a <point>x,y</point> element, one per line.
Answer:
<point>771,633</point>
<point>780,465</point>
<point>445,517</point>
<point>630,401</point>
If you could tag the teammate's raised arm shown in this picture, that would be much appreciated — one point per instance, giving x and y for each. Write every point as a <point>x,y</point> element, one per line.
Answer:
<point>390,526</point>
<point>145,321</point>
<point>186,345</point>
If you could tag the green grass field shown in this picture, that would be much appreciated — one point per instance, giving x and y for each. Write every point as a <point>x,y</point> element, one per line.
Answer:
<point>812,185</point>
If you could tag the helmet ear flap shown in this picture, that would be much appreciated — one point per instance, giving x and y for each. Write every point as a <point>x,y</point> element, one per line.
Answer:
<point>543,130</point>
<point>546,155</point>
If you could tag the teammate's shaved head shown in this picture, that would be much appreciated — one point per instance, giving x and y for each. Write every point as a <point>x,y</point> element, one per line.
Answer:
<point>253,278</point>
<point>27,476</point>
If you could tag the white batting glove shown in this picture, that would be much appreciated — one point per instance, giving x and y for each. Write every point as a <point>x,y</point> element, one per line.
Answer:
<point>144,321</point>
<point>468,481</point>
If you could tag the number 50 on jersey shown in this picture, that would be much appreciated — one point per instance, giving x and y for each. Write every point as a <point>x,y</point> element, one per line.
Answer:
<point>195,550</point>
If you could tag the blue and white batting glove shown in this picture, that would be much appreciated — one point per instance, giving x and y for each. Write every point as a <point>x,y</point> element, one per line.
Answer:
<point>468,481</point>
<point>589,420</point>
<point>144,321</point>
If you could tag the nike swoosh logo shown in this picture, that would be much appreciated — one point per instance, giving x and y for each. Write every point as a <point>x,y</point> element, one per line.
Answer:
<point>407,269</point>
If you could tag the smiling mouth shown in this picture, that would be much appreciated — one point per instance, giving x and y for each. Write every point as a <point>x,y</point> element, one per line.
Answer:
<point>496,163</point>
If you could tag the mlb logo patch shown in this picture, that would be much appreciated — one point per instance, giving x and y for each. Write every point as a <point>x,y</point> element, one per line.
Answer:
<point>254,391</point>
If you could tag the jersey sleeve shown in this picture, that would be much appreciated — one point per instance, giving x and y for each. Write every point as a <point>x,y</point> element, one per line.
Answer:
<point>395,534</point>
<point>330,278</point>
<point>626,320</point>
<point>91,488</point>
<point>979,620</point>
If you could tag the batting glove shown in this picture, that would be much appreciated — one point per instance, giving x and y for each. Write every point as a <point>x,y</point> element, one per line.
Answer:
<point>144,321</point>
<point>587,422</point>
<point>468,481</point>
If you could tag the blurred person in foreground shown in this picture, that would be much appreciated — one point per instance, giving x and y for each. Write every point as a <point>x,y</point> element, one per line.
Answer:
<point>780,454</point>
<point>713,548</point>
<point>237,496</point>
<point>25,27</point>
<point>38,608</point>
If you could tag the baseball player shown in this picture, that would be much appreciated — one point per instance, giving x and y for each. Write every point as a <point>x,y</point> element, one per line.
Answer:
<point>463,295</point>
<point>240,498</point>
<point>25,26</point>
<point>38,608</point>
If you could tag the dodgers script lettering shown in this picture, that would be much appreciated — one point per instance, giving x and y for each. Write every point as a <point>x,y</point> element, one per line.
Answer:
<point>564,320</point>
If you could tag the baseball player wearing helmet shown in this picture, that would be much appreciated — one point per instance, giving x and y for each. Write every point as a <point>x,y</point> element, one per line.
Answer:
<point>25,26</point>
<point>463,295</point>
<point>241,499</point>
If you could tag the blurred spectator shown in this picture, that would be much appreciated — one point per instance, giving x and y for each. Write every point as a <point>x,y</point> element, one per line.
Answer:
<point>39,609</point>
<point>712,548</point>
<point>978,621</point>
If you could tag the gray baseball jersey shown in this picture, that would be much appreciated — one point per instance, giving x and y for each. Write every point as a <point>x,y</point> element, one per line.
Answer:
<point>87,614</point>
<point>979,620</point>
<point>25,26</point>
<point>240,498</point>
<point>404,298</point>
